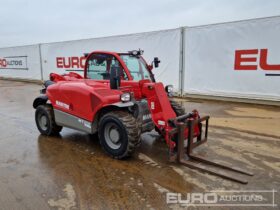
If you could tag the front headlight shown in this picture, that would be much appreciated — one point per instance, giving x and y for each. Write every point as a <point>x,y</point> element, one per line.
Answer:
<point>169,88</point>
<point>125,97</point>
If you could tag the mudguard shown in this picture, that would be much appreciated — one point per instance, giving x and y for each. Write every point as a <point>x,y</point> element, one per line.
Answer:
<point>42,99</point>
<point>122,104</point>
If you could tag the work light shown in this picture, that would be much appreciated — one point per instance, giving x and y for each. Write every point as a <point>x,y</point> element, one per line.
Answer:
<point>169,88</point>
<point>125,97</point>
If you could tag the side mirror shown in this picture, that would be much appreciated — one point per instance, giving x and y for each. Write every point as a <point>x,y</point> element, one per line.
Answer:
<point>115,77</point>
<point>156,62</point>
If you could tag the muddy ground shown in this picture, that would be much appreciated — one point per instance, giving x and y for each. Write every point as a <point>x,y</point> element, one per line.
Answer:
<point>72,172</point>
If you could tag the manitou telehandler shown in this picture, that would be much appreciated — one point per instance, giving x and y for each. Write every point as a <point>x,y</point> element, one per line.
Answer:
<point>119,99</point>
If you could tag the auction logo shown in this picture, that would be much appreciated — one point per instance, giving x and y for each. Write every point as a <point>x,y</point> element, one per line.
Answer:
<point>71,63</point>
<point>254,59</point>
<point>14,62</point>
<point>230,198</point>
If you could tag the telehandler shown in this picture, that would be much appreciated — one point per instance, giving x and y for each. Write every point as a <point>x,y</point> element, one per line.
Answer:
<point>119,99</point>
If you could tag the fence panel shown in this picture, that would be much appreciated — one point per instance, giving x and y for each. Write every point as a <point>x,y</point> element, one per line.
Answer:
<point>62,57</point>
<point>20,62</point>
<point>239,59</point>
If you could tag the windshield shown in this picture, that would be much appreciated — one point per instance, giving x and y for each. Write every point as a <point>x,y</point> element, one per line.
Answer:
<point>137,67</point>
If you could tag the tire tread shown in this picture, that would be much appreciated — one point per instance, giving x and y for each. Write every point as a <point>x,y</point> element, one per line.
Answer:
<point>55,129</point>
<point>132,128</point>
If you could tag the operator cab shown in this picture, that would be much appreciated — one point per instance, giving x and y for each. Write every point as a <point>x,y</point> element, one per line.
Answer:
<point>99,66</point>
<point>131,66</point>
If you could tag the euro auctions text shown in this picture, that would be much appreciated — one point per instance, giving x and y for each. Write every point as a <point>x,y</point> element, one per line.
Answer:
<point>265,198</point>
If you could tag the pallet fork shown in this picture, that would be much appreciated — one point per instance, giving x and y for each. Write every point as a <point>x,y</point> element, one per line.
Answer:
<point>186,157</point>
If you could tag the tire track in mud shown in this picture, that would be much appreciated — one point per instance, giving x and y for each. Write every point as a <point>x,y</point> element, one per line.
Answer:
<point>148,161</point>
<point>190,176</point>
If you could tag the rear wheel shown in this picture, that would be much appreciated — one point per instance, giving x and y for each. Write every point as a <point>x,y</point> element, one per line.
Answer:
<point>45,121</point>
<point>118,134</point>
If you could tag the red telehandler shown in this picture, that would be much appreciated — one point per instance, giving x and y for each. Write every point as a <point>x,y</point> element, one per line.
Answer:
<point>119,99</point>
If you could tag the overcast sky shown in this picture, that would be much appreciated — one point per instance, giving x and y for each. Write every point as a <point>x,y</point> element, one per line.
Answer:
<point>37,21</point>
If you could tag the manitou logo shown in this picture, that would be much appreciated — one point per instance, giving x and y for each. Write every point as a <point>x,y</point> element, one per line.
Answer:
<point>252,59</point>
<point>70,62</point>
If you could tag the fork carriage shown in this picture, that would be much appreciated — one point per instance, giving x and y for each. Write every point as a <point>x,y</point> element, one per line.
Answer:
<point>185,154</point>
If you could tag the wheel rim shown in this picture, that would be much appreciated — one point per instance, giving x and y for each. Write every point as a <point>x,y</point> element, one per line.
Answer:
<point>43,122</point>
<point>112,136</point>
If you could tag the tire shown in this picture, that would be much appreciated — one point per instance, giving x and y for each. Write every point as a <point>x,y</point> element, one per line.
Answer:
<point>178,109</point>
<point>45,121</point>
<point>119,134</point>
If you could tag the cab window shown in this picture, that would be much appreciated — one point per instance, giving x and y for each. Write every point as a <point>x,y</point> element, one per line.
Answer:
<point>99,67</point>
<point>137,67</point>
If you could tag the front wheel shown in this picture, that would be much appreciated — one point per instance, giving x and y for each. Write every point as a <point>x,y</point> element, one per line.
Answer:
<point>118,134</point>
<point>45,121</point>
<point>178,108</point>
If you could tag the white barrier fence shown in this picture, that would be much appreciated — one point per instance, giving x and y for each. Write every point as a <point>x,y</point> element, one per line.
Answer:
<point>238,59</point>
<point>59,57</point>
<point>20,62</point>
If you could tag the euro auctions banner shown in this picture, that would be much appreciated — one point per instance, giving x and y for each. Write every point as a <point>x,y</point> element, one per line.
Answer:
<point>239,59</point>
<point>63,57</point>
<point>20,62</point>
